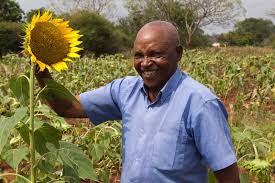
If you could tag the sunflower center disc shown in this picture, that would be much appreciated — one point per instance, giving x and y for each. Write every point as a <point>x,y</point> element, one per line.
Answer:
<point>48,43</point>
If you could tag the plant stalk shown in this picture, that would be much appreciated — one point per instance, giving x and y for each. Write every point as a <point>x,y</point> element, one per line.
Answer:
<point>31,124</point>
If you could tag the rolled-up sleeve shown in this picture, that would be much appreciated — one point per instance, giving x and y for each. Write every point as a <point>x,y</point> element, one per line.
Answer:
<point>102,104</point>
<point>212,136</point>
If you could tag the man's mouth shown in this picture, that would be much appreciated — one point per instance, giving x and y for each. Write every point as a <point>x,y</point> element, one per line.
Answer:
<point>149,73</point>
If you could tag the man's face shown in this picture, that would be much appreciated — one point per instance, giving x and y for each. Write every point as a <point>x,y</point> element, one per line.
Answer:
<point>155,57</point>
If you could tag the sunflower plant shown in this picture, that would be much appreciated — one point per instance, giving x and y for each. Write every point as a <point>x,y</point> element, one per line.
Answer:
<point>49,43</point>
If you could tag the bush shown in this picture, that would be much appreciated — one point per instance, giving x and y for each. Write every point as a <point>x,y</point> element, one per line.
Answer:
<point>100,35</point>
<point>10,37</point>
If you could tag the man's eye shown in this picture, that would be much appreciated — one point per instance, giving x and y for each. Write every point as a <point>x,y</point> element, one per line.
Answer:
<point>137,57</point>
<point>157,55</point>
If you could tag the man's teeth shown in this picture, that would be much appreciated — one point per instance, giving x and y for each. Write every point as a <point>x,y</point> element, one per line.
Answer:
<point>149,73</point>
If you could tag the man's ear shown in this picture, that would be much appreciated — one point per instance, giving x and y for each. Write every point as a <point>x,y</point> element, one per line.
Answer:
<point>179,50</point>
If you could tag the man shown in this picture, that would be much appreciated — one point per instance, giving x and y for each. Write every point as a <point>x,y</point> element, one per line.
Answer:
<point>173,128</point>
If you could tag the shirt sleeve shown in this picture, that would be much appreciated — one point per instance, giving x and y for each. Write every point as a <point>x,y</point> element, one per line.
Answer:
<point>212,136</point>
<point>102,104</point>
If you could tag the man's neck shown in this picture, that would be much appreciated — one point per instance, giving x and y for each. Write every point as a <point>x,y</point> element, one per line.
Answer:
<point>152,94</point>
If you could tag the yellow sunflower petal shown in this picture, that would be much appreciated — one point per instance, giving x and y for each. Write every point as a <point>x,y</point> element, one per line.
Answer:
<point>42,66</point>
<point>75,49</point>
<point>33,59</point>
<point>50,42</point>
<point>57,21</point>
<point>60,66</point>
<point>75,43</point>
<point>67,30</point>
<point>72,34</point>
<point>34,19</point>
<point>67,60</point>
<point>64,24</point>
<point>73,55</point>
<point>46,16</point>
<point>73,40</point>
<point>30,51</point>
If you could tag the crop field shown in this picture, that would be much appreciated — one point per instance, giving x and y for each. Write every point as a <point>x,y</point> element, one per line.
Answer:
<point>72,150</point>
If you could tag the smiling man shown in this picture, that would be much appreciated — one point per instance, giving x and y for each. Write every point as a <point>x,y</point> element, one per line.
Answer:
<point>173,128</point>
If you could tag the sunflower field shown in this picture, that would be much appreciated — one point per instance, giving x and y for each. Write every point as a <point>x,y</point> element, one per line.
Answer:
<point>73,150</point>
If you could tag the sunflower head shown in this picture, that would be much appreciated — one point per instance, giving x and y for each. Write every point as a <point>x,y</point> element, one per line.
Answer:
<point>50,42</point>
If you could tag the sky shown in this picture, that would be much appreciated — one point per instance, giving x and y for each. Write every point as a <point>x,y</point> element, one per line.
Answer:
<point>254,8</point>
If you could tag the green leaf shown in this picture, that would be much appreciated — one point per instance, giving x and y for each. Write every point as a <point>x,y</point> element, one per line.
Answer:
<point>46,134</point>
<point>104,175</point>
<point>7,124</point>
<point>20,88</point>
<point>54,90</point>
<point>43,109</point>
<point>23,130</point>
<point>97,151</point>
<point>70,174</point>
<point>46,166</point>
<point>49,160</point>
<point>73,157</point>
<point>14,156</point>
<point>244,178</point>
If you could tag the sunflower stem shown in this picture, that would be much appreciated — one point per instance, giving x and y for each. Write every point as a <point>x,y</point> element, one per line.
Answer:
<point>31,124</point>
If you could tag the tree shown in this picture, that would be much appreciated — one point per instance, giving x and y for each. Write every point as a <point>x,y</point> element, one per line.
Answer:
<point>206,12</point>
<point>100,35</point>
<point>10,40</point>
<point>10,11</point>
<point>101,7</point>
<point>260,28</point>
<point>235,39</point>
<point>251,31</point>
<point>142,12</point>
<point>189,15</point>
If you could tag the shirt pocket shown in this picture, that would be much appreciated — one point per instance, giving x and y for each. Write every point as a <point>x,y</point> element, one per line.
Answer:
<point>169,150</point>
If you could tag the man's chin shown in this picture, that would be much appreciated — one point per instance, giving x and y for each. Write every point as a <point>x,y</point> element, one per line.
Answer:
<point>151,86</point>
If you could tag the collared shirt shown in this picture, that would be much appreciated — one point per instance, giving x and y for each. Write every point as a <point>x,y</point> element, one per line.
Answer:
<point>174,139</point>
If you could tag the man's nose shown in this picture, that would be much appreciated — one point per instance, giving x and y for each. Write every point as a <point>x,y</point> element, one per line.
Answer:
<point>146,62</point>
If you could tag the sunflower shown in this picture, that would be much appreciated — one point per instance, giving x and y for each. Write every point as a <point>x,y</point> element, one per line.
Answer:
<point>50,42</point>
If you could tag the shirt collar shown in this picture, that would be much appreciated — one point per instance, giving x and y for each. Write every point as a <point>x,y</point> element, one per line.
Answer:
<point>167,89</point>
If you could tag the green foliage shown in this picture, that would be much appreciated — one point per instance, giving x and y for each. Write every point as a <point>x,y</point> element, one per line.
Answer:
<point>10,37</point>
<point>260,28</point>
<point>14,156</point>
<point>20,88</point>
<point>7,124</point>
<point>100,35</point>
<point>45,135</point>
<point>142,12</point>
<point>56,89</point>
<point>242,77</point>
<point>255,147</point>
<point>10,11</point>
<point>76,160</point>
<point>48,144</point>
<point>251,31</point>
<point>259,168</point>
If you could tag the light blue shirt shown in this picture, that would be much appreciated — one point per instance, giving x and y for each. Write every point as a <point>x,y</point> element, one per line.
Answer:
<point>172,140</point>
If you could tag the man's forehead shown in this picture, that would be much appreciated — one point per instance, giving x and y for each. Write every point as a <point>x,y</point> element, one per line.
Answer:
<point>158,29</point>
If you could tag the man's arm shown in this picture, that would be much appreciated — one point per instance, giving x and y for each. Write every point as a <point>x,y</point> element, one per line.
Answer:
<point>228,175</point>
<point>64,108</point>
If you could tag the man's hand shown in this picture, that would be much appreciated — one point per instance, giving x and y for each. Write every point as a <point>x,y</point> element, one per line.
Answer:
<point>64,108</point>
<point>228,175</point>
